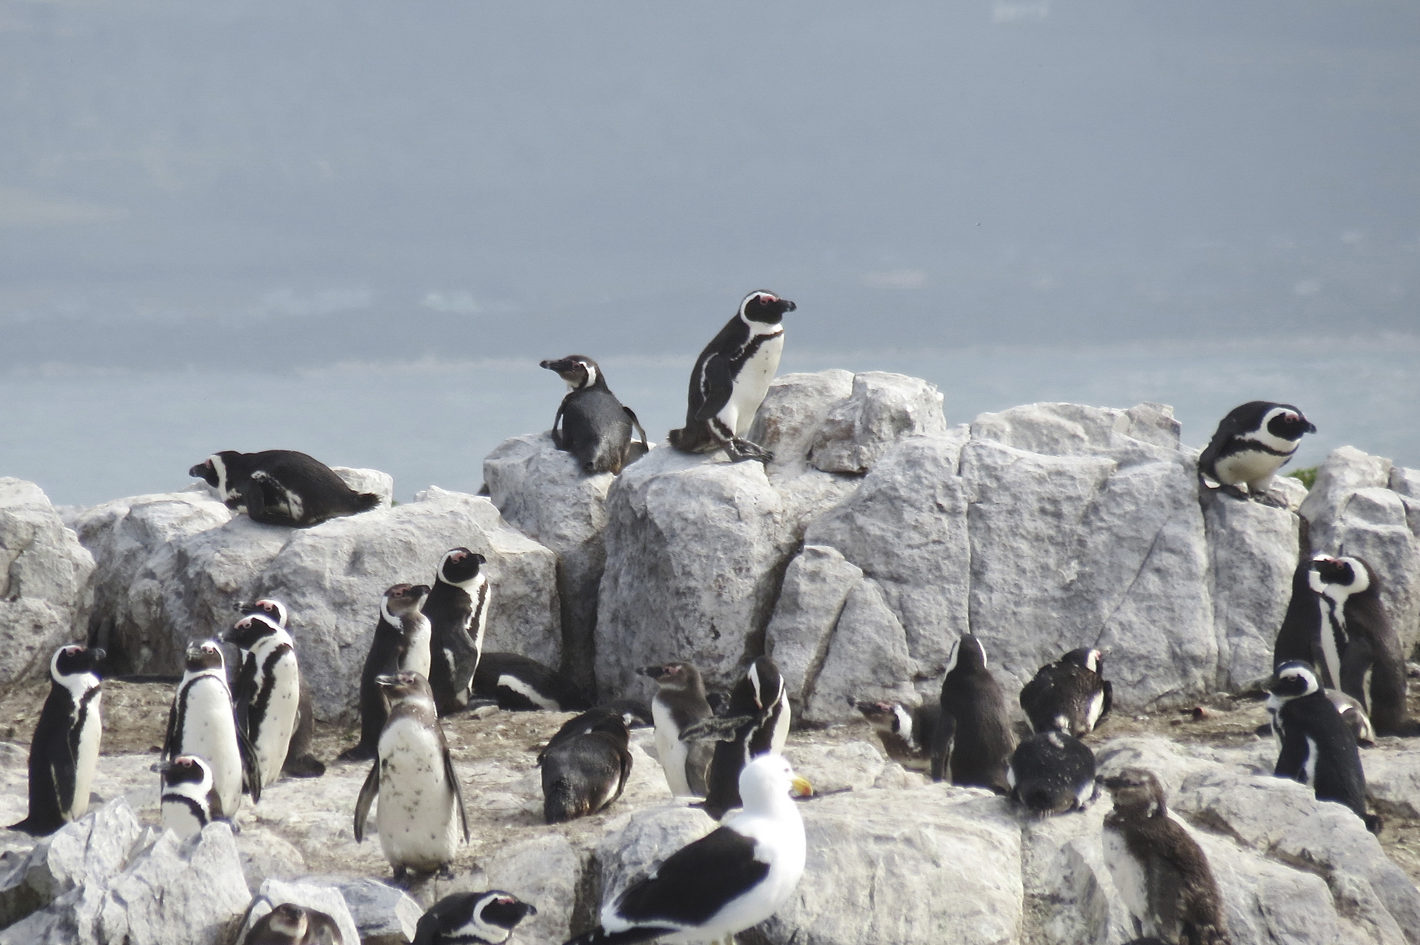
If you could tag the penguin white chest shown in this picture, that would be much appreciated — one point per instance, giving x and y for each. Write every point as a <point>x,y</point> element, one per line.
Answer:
<point>1253,467</point>
<point>209,729</point>
<point>416,654</point>
<point>416,817</point>
<point>278,692</point>
<point>752,382</point>
<point>87,760</point>
<point>670,750</point>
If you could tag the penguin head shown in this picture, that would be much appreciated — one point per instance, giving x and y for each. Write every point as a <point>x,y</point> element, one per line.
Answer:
<point>1286,422</point>
<point>579,371</point>
<point>1341,577</point>
<point>674,675</point>
<point>188,769</point>
<point>766,682</point>
<point>273,610</point>
<point>472,917</point>
<point>764,307</point>
<point>501,910</point>
<point>459,565</point>
<point>883,716</point>
<point>212,471</point>
<point>967,654</point>
<point>1137,791</point>
<point>1291,680</point>
<point>204,655</point>
<point>287,919</point>
<point>249,629</point>
<point>402,600</point>
<point>1090,659</point>
<point>76,667</point>
<point>405,686</point>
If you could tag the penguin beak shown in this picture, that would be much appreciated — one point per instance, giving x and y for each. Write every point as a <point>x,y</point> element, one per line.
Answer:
<point>789,306</point>
<point>387,681</point>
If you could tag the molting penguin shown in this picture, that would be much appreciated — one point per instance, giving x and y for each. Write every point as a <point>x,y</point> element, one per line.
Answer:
<point>281,487</point>
<point>65,749</point>
<point>756,722</point>
<point>203,721</point>
<point>1251,443</point>
<point>1159,870</point>
<point>1318,747</point>
<point>906,734</point>
<point>268,690</point>
<point>974,739</point>
<point>472,918</point>
<point>585,765</point>
<point>300,762</point>
<point>290,924</point>
<point>730,379</point>
<point>400,643</point>
<point>522,684</point>
<point>591,423</point>
<point>1069,695</point>
<point>421,807</point>
<point>1052,772</point>
<point>679,702</point>
<point>457,608</point>
<point>188,801</point>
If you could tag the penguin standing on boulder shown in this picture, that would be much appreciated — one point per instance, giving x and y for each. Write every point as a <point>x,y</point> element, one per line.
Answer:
<point>1251,443</point>
<point>679,703</point>
<point>281,487</point>
<point>203,722</point>
<point>457,608</point>
<point>974,738</point>
<point>730,379</point>
<point>400,643</point>
<point>755,723</point>
<point>1069,695</point>
<point>188,801</point>
<point>591,423</point>
<point>64,752</point>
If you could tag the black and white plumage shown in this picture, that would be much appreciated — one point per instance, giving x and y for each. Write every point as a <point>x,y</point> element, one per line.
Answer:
<point>755,722</point>
<point>1052,772</point>
<point>679,703</point>
<point>64,751</point>
<point>1159,871</point>
<point>591,423</point>
<point>733,878</point>
<point>268,690</point>
<point>188,800</point>
<point>457,608</point>
<point>1251,443</point>
<point>421,812</point>
<point>472,918</point>
<point>290,924</point>
<point>974,738</point>
<point>203,722</point>
<point>281,487</point>
<point>300,761</point>
<point>523,684</point>
<point>585,765</point>
<point>1317,746</point>
<point>400,644</point>
<point>906,733</point>
<point>1069,695</point>
<point>731,377</point>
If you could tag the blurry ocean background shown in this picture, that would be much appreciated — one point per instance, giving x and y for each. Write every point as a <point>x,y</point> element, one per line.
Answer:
<point>354,228</point>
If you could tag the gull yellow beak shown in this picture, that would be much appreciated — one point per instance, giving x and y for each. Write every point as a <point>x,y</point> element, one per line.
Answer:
<point>802,788</point>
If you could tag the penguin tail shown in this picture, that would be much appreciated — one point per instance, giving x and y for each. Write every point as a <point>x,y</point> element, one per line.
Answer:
<point>689,439</point>
<point>364,501</point>
<point>34,827</point>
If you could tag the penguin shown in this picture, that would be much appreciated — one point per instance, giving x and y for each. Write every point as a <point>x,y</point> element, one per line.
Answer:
<point>679,702</point>
<point>203,721</point>
<point>290,924</point>
<point>906,734</point>
<point>472,918</point>
<point>1317,746</point>
<point>300,761</point>
<point>733,878</point>
<point>585,765</point>
<point>1355,717</point>
<point>281,487</point>
<point>188,801</point>
<point>974,738</point>
<point>1070,695</point>
<point>1251,443</point>
<point>756,723</point>
<point>268,690</point>
<point>1052,772</point>
<point>730,379</point>
<point>522,684</point>
<point>591,423</point>
<point>457,608</point>
<point>64,751</point>
<point>421,812</point>
<point>1159,871</point>
<point>400,643</point>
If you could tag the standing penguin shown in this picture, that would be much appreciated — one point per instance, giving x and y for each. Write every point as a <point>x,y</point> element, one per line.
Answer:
<point>1318,747</point>
<point>457,608</point>
<point>974,739</point>
<point>281,487</point>
<point>906,734</point>
<point>1069,695</point>
<point>585,765</point>
<point>756,722</point>
<point>730,379</point>
<point>679,702</point>
<point>1052,772</point>
<point>472,918</point>
<point>1251,443</point>
<point>268,690</point>
<point>400,643</point>
<point>203,721</point>
<point>188,801</point>
<point>591,423</point>
<point>421,811</point>
<point>65,749</point>
<point>300,761</point>
<point>1159,870</point>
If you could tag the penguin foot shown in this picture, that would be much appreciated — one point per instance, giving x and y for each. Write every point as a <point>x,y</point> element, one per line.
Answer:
<point>1233,491</point>
<point>740,449</point>
<point>357,753</point>
<point>1268,499</point>
<point>307,766</point>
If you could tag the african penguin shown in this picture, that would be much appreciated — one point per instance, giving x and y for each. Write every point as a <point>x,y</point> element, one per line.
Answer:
<point>64,751</point>
<point>1052,772</point>
<point>203,722</point>
<point>974,738</point>
<point>735,877</point>
<point>591,423</point>
<point>679,702</point>
<point>188,801</point>
<point>281,487</point>
<point>1069,695</point>
<point>472,918</point>
<point>730,379</point>
<point>400,643</point>
<point>1159,871</point>
<point>300,762</point>
<point>290,924</point>
<point>457,608</point>
<point>585,765</point>
<point>1317,747</point>
<point>522,684</point>
<point>268,690</point>
<point>906,734</point>
<point>1251,443</point>
<point>421,812</point>
<point>756,722</point>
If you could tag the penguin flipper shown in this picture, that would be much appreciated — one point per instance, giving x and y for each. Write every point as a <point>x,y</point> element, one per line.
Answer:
<point>458,793</point>
<point>1291,760</point>
<point>557,439</point>
<point>942,746</point>
<point>368,791</point>
<point>716,728</point>
<point>716,386</point>
<point>636,422</point>
<point>251,765</point>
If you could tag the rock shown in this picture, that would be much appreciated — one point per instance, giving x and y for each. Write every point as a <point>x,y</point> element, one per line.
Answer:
<point>631,847</point>
<point>882,409</point>
<point>384,915</point>
<point>795,407</point>
<point>311,895</point>
<point>545,871</point>
<point>44,574</point>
